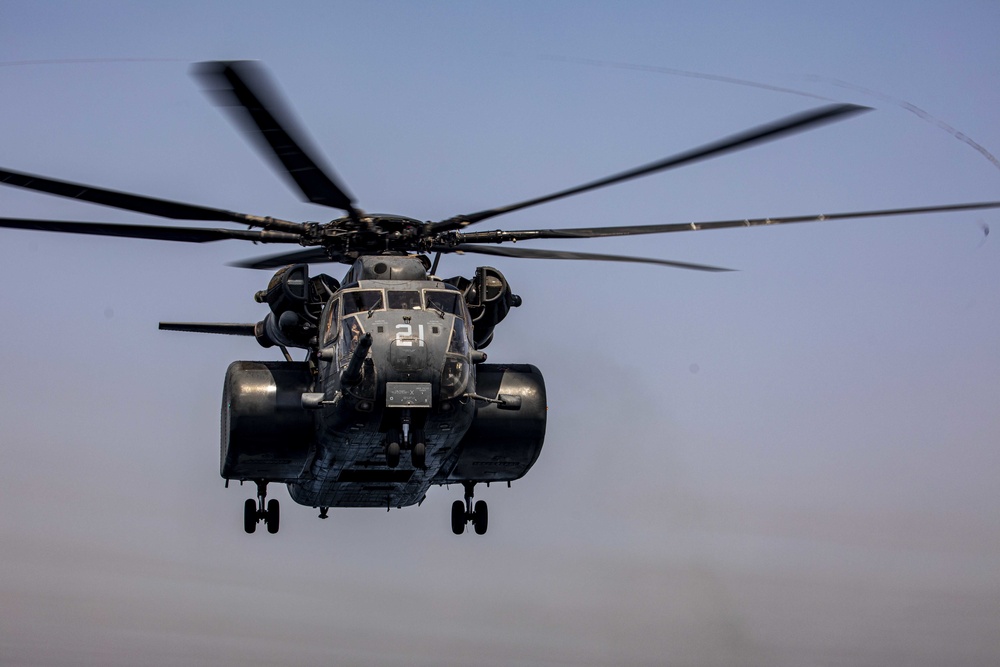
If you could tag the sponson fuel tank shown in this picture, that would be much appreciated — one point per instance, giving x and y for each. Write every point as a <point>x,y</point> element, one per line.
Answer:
<point>266,433</point>
<point>505,438</point>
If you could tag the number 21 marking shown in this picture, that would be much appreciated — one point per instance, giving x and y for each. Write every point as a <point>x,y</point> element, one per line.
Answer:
<point>404,338</point>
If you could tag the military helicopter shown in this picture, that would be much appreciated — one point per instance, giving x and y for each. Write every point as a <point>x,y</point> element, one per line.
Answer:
<point>394,357</point>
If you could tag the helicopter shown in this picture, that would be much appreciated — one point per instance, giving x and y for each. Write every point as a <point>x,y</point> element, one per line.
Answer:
<point>394,394</point>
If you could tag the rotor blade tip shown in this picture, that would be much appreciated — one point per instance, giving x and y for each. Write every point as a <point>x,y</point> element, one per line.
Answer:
<point>242,265</point>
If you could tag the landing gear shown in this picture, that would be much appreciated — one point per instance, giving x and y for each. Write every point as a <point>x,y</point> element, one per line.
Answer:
<point>419,455</point>
<point>323,512</point>
<point>464,512</point>
<point>250,515</point>
<point>255,512</point>
<point>458,519</point>
<point>273,516</point>
<point>480,518</point>
<point>396,440</point>
<point>392,454</point>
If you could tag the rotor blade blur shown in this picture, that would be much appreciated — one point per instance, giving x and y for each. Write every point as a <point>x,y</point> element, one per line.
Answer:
<point>244,85</point>
<point>531,253</point>
<point>183,234</point>
<point>763,133</point>
<point>163,208</point>
<point>309,256</point>
<point>632,230</point>
<point>209,327</point>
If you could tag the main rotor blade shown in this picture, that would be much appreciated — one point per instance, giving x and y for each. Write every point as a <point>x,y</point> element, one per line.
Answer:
<point>531,253</point>
<point>244,85</point>
<point>792,124</point>
<point>184,234</point>
<point>308,256</point>
<point>631,230</point>
<point>163,208</point>
<point>210,327</point>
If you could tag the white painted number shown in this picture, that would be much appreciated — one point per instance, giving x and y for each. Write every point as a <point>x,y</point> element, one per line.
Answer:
<point>404,335</point>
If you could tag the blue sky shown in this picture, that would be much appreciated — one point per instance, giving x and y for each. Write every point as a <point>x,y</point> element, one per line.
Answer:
<point>795,463</point>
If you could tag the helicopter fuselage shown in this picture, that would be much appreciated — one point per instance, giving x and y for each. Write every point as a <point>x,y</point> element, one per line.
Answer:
<point>412,389</point>
<point>385,405</point>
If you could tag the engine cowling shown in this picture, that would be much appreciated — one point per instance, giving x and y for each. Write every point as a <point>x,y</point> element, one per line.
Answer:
<point>296,302</point>
<point>489,299</point>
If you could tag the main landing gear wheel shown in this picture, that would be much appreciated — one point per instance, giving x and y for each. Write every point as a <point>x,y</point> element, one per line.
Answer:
<point>250,515</point>
<point>480,517</point>
<point>463,513</point>
<point>274,515</point>
<point>254,512</point>
<point>458,520</point>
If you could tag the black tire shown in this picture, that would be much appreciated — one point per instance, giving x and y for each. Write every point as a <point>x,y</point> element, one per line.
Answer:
<point>419,455</point>
<point>458,517</point>
<point>273,515</point>
<point>392,454</point>
<point>250,515</point>
<point>480,517</point>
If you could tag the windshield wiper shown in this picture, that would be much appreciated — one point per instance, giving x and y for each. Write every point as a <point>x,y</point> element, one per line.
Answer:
<point>437,309</point>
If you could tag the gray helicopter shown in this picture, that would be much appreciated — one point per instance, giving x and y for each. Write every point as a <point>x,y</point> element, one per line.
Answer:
<point>394,394</point>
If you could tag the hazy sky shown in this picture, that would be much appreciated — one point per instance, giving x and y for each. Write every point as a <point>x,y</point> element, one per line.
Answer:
<point>794,464</point>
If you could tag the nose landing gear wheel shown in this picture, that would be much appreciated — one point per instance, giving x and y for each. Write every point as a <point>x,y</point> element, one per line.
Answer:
<point>419,455</point>
<point>392,454</point>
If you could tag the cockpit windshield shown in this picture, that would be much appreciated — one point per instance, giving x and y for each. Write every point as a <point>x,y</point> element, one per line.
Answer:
<point>356,301</point>
<point>405,300</point>
<point>459,343</point>
<point>446,302</point>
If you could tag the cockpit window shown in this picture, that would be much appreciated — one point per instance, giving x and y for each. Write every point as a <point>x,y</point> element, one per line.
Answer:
<point>330,321</point>
<point>350,335</point>
<point>459,343</point>
<point>409,300</point>
<point>446,302</point>
<point>362,300</point>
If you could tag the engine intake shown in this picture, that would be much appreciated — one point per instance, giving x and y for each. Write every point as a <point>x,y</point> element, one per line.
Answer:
<point>296,302</point>
<point>489,299</point>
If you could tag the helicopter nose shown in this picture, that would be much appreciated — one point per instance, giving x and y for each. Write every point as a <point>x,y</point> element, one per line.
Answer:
<point>408,356</point>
